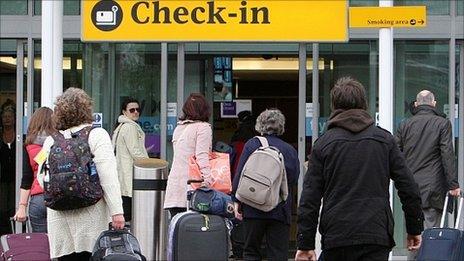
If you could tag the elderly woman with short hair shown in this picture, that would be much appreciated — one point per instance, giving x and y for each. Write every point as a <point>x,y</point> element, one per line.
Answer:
<point>275,224</point>
<point>73,233</point>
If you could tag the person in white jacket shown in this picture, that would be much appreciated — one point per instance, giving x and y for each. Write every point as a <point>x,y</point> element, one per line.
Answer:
<point>129,145</point>
<point>73,233</point>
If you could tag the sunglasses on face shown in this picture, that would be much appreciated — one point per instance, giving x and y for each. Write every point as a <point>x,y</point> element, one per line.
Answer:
<point>132,110</point>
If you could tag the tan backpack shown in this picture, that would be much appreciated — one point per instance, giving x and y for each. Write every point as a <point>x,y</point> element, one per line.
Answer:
<point>263,181</point>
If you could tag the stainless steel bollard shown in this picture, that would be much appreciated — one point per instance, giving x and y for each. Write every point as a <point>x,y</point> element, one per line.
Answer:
<point>148,216</point>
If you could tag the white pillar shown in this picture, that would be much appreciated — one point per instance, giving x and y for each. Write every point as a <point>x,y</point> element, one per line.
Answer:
<point>386,74</point>
<point>52,51</point>
<point>386,83</point>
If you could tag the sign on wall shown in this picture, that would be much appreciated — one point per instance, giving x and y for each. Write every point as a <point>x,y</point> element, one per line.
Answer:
<point>97,119</point>
<point>219,20</point>
<point>233,108</point>
<point>386,17</point>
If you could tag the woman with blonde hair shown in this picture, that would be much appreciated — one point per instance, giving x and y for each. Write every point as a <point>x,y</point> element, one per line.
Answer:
<point>40,127</point>
<point>73,233</point>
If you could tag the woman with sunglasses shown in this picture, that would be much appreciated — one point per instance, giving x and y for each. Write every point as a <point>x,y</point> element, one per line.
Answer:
<point>129,144</point>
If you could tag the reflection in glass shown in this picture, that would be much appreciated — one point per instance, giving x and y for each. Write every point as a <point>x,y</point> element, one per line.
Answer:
<point>70,7</point>
<point>72,67</point>
<point>364,2</point>
<point>418,65</point>
<point>357,59</point>
<point>137,75</point>
<point>7,132</point>
<point>434,7</point>
<point>460,7</point>
<point>13,7</point>
<point>96,80</point>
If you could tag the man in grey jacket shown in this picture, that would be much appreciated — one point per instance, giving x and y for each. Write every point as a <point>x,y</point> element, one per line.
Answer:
<point>426,140</point>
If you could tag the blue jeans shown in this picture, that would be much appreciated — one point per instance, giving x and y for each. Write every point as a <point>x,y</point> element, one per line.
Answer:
<point>38,214</point>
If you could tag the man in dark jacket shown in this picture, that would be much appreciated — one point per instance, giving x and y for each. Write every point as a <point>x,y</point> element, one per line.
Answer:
<point>350,168</point>
<point>426,140</point>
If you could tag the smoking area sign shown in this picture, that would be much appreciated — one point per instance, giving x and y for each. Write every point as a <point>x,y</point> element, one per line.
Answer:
<point>218,21</point>
<point>386,17</point>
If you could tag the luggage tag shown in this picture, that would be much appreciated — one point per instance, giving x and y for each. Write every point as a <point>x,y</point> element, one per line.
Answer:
<point>41,157</point>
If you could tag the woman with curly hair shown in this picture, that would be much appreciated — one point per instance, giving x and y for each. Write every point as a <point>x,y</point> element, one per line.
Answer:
<point>73,233</point>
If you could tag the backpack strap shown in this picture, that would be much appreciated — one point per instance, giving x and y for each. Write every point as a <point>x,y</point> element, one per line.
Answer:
<point>263,141</point>
<point>117,136</point>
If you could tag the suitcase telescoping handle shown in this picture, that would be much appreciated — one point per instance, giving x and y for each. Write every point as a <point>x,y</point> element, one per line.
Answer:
<point>28,225</point>
<point>445,211</point>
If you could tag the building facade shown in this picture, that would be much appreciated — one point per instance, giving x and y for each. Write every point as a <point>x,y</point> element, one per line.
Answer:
<point>263,74</point>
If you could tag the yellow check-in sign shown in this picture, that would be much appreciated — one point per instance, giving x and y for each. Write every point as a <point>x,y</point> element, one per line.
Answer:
<point>219,20</point>
<point>378,17</point>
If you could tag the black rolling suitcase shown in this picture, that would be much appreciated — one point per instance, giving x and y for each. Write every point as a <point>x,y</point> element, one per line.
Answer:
<point>196,236</point>
<point>443,243</point>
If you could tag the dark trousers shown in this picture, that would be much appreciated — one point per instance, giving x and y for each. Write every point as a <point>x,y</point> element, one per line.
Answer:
<point>357,253</point>
<point>276,234</point>
<point>81,256</point>
<point>127,208</point>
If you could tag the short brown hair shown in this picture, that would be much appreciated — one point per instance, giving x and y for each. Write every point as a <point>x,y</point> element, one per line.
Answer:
<point>347,94</point>
<point>41,123</point>
<point>196,108</point>
<point>73,108</point>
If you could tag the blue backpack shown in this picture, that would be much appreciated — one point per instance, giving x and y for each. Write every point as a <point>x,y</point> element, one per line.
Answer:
<point>210,201</point>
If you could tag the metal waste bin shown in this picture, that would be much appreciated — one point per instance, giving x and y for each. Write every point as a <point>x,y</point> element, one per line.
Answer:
<point>149,223</point>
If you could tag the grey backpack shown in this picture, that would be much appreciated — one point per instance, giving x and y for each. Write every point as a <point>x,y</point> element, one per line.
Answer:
<point>263,181</point>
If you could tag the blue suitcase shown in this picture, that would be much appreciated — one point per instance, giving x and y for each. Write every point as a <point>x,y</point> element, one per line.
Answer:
<point>443,243</point>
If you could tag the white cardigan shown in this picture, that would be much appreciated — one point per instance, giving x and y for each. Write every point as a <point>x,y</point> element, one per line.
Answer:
<point>77,230</point>
<point>130,145</point>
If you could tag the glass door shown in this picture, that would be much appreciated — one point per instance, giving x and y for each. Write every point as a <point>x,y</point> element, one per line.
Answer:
<point>12,82</point>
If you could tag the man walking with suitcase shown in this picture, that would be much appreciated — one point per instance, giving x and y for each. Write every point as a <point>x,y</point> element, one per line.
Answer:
<point>427,142</point>
<point>350,168</point>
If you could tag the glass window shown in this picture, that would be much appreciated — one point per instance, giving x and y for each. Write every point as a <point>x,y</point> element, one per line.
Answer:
<point>137,75</point>
<point>7,132</point>
<point>460,7</point>
<point>13,7</point>
<point>70,7</point>
<point>364,2</point>
<point>357,59</point>
<point>419,65</point>
<point>458,82</point>
<point>434,7</point>
<point>97,80</point>
<point>72,67</point>
<point>7,70</point>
